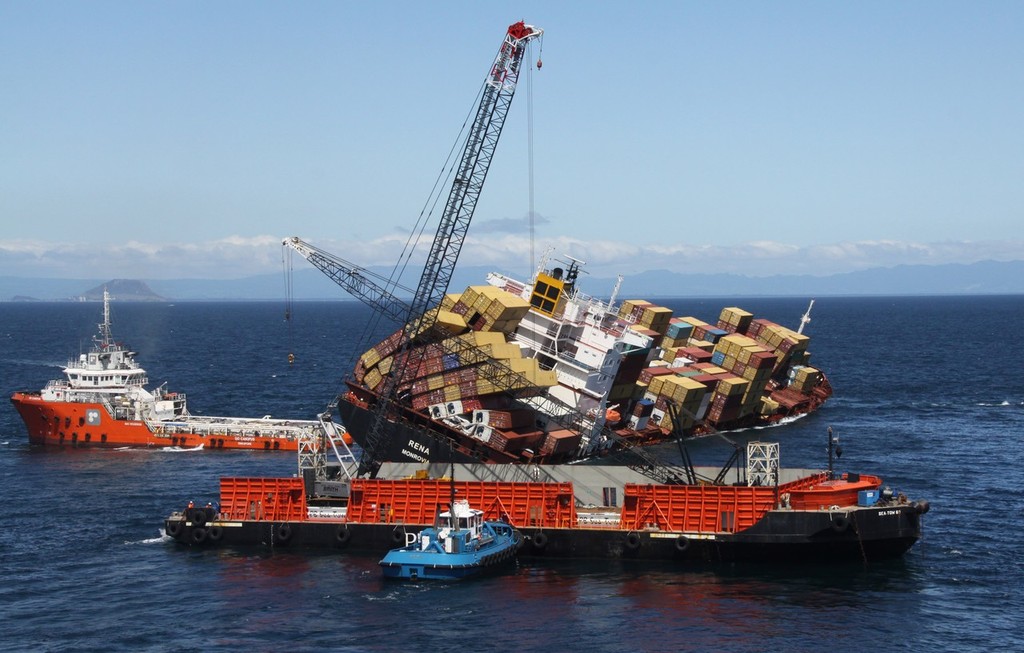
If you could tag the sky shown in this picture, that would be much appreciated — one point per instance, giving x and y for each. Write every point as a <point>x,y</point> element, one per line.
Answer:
<point>168,140</point>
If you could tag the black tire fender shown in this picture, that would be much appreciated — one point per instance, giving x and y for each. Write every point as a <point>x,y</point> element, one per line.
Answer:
<point>840,523</point>
<point>343,535</point>
<point>682,543</point>
<point>283,533</point>
<point>198,535</point>
<point>398,537</point>
<point>632,541</point>
<point>540,540</point>
<point>173,528</point>
<point>215,533</point>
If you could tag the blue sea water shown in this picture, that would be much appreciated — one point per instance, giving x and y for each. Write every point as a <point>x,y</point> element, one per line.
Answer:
<point>929,394</point>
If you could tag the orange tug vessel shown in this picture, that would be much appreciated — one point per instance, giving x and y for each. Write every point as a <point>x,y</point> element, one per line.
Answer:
<point>102,401</point>
<point>574,511</point>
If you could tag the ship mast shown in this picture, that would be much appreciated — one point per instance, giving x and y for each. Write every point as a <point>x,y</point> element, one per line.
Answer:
<point>105,336</point>
<point>805,318</point>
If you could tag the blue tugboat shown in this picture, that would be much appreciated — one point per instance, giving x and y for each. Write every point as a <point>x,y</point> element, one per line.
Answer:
<point>461,544</point>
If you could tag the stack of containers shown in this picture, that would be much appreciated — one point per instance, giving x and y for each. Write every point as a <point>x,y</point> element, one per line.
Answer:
<point>788,344</point>
<point>677,333</point>
<point>632,309</point>
<point>641,414</point>
<point>803,377</point>
<point>734,320</point>
<point>697,333</point>
<point>626,384</point>
<point>683,392</point>
<point>489,308</point>
<point>646,318</point>
<point>695,354</point>
<point>750,360</point>
<point>461,380</point>
<point>645,331</point>
<point>656,318</point>
<point>727,400</point>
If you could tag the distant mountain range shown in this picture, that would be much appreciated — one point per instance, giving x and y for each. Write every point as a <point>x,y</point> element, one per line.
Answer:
<point>987,277</point>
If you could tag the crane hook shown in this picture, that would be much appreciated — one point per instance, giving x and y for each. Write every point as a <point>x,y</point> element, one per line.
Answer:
<point>539,63</point>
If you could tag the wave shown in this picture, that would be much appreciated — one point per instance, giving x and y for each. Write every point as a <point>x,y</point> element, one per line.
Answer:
<point>1002,404</point>
<point>36,363</point>
<point>159,539</point>
<point>198,447</point>
<point>761,427</point>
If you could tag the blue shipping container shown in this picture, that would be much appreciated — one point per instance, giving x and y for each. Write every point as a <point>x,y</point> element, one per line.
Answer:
<point>867,498</point>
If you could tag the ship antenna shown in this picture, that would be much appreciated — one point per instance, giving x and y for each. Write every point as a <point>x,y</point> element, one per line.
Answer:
<point>105,327</point>
<point>805,318</point>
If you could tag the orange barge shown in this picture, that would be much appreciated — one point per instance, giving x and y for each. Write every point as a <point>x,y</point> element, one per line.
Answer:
<point>808,517</point>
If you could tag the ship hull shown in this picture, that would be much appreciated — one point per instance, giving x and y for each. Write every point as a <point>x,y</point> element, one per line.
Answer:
<point>90,425</point>
<point>781,536</point>
<point>420,439</point>
<point>407,443</point>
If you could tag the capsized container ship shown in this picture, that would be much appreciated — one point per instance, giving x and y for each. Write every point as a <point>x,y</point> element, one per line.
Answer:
<point>103,401</point>
<point>541,373</point>
<point>574,511</point>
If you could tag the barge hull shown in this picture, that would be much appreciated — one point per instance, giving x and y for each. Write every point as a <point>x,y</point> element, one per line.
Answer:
<point>783,536</point>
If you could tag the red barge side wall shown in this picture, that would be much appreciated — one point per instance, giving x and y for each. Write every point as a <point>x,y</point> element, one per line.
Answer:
<point>673,508</point>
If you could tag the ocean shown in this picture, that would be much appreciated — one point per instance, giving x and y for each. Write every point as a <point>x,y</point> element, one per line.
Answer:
<point>929,394</point>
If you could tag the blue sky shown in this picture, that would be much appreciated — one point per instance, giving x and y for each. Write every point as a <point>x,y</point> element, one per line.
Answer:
<point>186,139</point>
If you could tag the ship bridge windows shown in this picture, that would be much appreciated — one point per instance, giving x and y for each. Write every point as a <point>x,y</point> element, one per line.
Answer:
<point>546,292</point>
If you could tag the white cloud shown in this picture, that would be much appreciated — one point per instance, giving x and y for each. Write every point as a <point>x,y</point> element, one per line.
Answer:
<point>242,256</point>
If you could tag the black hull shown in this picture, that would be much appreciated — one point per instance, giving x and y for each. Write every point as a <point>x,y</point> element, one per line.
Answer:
<point>781,536</point>
<point>407,443</point>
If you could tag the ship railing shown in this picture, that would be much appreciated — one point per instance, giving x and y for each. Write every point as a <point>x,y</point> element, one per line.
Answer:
<point>193,425</point>
<point>568,358</point>
<point>336,440</point>
<point>107,404</point>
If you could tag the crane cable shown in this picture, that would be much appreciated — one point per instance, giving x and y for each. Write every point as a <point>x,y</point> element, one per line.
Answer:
<point>529,146</point>
<point>289,297</point>
<point>371,326</point>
